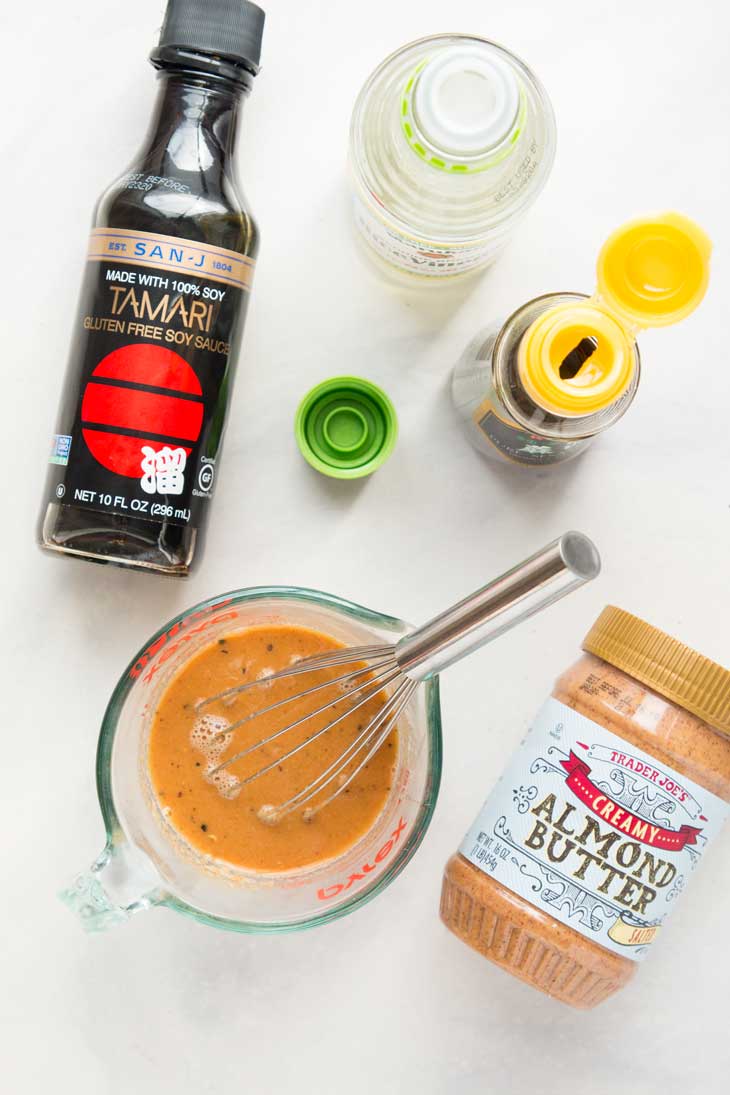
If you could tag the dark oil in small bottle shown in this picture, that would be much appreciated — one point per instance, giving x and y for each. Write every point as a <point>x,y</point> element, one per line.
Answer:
<point>135,456</point>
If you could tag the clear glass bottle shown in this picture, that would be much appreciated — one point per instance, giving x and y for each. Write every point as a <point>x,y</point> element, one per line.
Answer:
<point>163,303</point>
<point>537,388</point>
<point>452,138</point>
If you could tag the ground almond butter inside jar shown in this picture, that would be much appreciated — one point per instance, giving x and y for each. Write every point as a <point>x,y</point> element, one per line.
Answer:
<point>584,846</point>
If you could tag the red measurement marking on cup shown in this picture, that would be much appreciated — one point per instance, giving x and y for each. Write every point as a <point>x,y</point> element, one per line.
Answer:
<point>194,623</point>
<point>327,892</point>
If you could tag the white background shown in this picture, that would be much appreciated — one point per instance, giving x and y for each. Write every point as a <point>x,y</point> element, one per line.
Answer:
<point>385,1000</point>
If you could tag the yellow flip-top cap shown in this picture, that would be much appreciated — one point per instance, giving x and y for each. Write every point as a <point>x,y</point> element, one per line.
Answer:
<point>654,271</point>
<point>651,272</point>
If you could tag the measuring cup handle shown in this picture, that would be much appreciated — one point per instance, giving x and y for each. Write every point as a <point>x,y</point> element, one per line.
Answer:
<point>564,565</point>
<point>91,895</point>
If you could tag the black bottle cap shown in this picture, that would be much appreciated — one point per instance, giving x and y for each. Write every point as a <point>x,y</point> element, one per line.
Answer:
<point>231,29</point>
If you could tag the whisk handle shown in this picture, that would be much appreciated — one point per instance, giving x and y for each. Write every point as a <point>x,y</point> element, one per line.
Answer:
<point>564,565</point>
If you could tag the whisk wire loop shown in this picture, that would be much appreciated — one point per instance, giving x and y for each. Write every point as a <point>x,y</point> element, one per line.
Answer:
<point>397,670</point>
<point>386,719</point>
<point>378,681</point>
<point>326,660</point>
<point>322,686</point>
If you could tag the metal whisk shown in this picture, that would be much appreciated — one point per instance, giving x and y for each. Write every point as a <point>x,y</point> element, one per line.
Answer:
<point>397,670</point>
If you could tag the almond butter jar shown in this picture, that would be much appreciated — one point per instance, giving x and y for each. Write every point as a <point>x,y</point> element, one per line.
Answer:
<point>583,847</point>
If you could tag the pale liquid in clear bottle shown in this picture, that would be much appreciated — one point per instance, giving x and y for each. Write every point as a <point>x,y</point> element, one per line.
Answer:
<point>452,139</point>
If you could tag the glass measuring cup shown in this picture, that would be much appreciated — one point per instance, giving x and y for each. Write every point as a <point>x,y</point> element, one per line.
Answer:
<point>146,863</point>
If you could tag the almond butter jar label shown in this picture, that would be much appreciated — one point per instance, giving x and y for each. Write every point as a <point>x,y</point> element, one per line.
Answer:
<point>593,831</point>
<point>146,398</point>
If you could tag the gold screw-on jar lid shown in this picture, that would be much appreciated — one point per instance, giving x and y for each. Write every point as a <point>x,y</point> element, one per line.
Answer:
<point>669,667</point>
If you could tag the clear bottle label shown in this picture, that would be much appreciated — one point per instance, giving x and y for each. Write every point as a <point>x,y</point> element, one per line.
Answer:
<point>418,256</point>
<point>593,831</point>
<point>145,399</point>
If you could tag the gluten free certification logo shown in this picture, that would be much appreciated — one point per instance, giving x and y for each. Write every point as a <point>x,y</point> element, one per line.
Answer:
<point>206,476</point>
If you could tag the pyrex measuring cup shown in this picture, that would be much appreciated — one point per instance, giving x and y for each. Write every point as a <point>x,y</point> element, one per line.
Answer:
<point>145,863</point>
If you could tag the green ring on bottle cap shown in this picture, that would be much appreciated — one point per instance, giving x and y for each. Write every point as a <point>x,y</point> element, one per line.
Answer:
<point>346,427</point>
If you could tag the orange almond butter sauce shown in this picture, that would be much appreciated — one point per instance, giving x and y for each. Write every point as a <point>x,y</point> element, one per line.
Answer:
<point>210,809</point>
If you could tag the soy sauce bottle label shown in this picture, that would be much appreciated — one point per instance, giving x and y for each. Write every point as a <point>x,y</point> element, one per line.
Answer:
<point>145,402</point>
<point>519,445</point>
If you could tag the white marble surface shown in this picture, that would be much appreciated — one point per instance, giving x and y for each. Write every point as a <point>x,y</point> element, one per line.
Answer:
<point>386,1000</point>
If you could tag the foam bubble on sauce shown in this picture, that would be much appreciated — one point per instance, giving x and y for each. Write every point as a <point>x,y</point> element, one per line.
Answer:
<point>263,674</point>
<point>268,814</point>
<point>208,737</point>
<point>204,735</point>
<point>224,782</point>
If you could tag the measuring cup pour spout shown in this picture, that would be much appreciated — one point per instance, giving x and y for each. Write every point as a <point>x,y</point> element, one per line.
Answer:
<point>119,883</point>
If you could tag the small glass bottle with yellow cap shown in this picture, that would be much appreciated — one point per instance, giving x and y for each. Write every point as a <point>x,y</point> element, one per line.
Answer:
<point>564,367</point>
<point>597,824</point>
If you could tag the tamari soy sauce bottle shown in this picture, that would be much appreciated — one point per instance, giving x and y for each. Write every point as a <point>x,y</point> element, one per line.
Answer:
<point>170,263</point>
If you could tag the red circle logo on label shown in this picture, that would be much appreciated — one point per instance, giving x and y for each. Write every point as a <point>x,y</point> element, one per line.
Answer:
<point>140,395</point>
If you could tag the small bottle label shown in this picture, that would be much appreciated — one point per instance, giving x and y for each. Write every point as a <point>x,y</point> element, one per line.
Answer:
<point>145,399</point>
<point>419,256</point>
<point>593,831</point>
<point>519,445</point>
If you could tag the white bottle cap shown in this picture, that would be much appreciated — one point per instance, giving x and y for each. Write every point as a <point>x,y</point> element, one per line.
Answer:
<point>466,101</point>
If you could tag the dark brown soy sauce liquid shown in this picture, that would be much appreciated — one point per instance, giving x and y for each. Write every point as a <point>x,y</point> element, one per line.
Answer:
<point>183,184</point>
